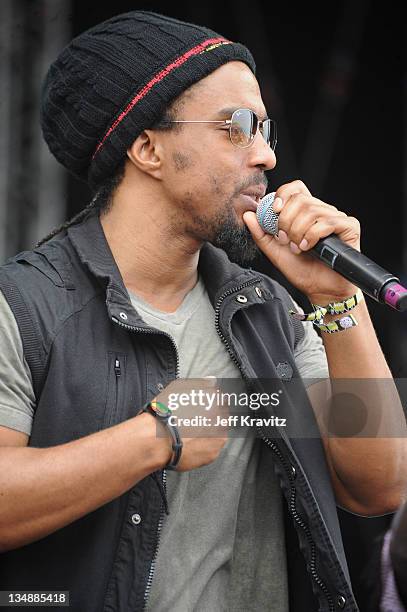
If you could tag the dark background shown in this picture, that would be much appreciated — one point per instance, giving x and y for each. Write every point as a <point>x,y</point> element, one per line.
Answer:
<point>333,75</point>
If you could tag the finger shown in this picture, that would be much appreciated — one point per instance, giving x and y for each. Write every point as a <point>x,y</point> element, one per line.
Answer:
<point>260,237</point>
<point>299,207</point>
<point>207,383</point>
<point>305,220</point>
<point>299,200</point>
<point>346,228</point>
<point>288,189</point>
<point>282,237</point>
<point>270,246</point>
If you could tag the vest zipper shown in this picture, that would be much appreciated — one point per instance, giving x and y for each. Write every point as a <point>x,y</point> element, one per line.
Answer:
<point>117,374</point>
<point>297,518</point>
<point>217,314</point>
<point>275,449</point>
<point>164,473</point>
<point>157,544</point>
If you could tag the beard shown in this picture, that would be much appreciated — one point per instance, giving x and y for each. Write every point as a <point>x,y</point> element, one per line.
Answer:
<point>236,241</point>
<point>223,229</point>
<point>229,235</point>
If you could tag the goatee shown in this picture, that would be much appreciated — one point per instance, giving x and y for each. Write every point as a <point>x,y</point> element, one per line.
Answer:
<point>236,241</point>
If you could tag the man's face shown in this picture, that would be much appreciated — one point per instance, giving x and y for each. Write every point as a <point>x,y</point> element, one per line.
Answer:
<point>208,181</point>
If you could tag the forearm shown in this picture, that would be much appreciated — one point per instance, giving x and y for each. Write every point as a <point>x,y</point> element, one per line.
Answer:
<point>366,472</point>
<point>63,483</point>
<point>363,424</point>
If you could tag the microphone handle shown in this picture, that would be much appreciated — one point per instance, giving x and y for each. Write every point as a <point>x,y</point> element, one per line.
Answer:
<point>361,271</point>
<point>344,259</point>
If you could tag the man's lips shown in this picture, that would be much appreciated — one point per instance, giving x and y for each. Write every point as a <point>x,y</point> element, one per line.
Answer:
<point>253,196</point>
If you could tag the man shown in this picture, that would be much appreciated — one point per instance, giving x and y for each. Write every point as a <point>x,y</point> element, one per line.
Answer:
<point>165,121</point>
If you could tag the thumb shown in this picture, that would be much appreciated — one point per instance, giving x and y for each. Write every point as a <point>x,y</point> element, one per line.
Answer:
<point>266,242</point>
<point>256,231</point>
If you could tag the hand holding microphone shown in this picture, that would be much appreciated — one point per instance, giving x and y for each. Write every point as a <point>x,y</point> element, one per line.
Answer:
<point>334,266</point>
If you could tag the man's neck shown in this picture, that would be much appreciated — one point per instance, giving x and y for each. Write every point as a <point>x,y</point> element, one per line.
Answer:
<point>159,267</point>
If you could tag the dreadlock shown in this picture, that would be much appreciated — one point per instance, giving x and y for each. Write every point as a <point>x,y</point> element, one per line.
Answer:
<point>102,199</point>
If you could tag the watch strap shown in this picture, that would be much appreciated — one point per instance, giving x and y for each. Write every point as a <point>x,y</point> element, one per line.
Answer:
<point>162,413</point>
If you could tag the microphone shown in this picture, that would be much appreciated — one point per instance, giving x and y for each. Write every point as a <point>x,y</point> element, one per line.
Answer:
<point>381,285</point>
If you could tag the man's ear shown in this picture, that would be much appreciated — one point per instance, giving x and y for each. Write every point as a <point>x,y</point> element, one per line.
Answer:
<point>146,153</point>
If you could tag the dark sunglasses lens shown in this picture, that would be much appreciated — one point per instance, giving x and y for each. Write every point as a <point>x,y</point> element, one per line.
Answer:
<point>243,127</point>
<point>269,131</point>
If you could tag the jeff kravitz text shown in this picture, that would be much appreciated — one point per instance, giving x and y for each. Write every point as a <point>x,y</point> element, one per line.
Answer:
<point>230,421</point>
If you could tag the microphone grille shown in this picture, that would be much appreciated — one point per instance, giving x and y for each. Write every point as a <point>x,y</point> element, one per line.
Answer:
<point>267,218</point>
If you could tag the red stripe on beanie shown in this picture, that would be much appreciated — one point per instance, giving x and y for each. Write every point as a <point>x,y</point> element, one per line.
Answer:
<point>156,79</point>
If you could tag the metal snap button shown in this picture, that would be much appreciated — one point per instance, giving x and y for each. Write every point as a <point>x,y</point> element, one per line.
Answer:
<point>123,316</point>
<point>258,291</point>
<point>136,519</point>
<point>160,386</point>
<point>341,601</point>
<point>242,299</point>
<point>284,370</point>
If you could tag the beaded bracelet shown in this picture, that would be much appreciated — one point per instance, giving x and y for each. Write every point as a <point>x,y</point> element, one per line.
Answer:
<point>337,325</point>
<point>333,308</point>
<point>340,307</point>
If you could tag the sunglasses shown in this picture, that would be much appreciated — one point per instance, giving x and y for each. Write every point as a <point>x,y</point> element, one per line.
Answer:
<point>243,127</point>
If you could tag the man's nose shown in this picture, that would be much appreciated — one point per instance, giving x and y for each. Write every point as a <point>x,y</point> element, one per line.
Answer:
<point>261,154</point>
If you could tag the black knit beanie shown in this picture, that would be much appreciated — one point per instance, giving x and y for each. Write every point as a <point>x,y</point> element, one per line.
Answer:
<point>116,79</point>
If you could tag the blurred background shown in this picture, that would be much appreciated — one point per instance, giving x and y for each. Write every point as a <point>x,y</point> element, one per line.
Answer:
<point>333,75</point>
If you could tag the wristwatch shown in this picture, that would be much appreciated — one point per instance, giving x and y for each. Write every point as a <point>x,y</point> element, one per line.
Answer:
<point>161,412</point>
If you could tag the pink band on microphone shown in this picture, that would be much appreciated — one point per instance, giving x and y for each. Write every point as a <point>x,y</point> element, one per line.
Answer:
<point>394,293</point>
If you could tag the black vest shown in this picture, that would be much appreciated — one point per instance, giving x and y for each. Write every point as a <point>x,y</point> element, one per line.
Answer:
<point>77,324</point>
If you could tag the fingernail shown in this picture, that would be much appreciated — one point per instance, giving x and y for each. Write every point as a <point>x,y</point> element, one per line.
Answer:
<point>303,244</point>
<point>282,237</point>
<point>294,248</point>
<point>277,204</point>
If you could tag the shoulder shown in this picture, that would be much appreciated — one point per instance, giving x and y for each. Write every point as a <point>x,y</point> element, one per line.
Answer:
<point>40,288</point>
<point>17,399</point>
<point>46,279</point>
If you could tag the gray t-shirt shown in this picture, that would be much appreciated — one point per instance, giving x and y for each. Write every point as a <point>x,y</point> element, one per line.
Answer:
<point>222,546</point>
<point>17,399</point>
<point>198,550</point>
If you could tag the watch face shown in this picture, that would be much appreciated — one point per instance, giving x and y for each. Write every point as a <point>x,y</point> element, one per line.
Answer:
<point>160,409</point>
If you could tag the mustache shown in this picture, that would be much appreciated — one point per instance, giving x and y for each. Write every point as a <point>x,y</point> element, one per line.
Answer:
<point>260,179</point>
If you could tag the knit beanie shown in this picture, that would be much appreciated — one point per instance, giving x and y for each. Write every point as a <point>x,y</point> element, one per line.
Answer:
<point>116,79</point>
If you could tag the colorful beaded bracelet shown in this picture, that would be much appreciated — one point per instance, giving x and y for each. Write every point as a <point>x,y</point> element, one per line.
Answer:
<point>333,308</point>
